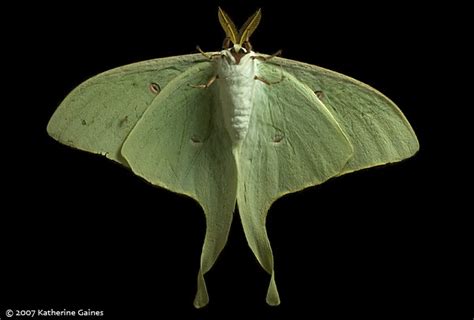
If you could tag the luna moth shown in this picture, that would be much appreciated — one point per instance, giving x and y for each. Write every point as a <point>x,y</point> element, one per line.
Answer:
<point>233,129</point>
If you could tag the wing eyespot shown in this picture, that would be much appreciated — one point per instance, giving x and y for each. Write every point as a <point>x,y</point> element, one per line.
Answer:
<point>195,140</point>
<point>319,94</point>
<point>154,88</point>
<point>278,138</point>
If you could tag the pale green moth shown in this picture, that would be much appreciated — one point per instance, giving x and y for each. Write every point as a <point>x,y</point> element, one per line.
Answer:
<point>233,127</point>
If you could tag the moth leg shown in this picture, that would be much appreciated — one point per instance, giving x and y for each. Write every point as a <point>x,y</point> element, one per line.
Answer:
<point>247,45</point>
<point>207,55</point>
<point>226,43</point>
<point>266,58</point>
<point>268,82</point>
<point>205,85</point>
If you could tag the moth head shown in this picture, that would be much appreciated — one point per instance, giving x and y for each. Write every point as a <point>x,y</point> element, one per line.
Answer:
<point>237,42</point>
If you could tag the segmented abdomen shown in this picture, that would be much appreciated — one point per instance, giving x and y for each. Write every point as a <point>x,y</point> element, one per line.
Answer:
<point>236,101</point>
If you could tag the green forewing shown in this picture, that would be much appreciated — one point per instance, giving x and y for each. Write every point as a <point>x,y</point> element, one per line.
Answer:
<point>376,128</point>
<point>98,115</point>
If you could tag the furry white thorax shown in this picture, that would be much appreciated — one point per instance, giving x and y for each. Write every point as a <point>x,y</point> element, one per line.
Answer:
<point>236,82</point>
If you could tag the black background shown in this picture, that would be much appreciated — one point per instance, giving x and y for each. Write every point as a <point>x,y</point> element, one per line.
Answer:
<point>78,231</point>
